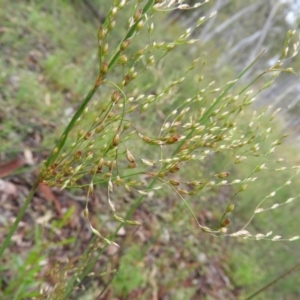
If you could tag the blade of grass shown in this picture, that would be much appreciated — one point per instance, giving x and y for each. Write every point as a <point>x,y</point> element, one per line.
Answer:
<point>21,213</point>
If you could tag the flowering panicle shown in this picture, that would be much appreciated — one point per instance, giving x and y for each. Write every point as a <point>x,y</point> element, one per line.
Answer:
<point>130,137</point>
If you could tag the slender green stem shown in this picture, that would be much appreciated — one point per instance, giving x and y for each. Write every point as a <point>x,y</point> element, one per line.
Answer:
<point>20,215</point>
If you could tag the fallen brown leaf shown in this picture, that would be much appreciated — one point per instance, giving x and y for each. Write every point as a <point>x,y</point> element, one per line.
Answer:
<point>47,193</point>
<point>9,167</point>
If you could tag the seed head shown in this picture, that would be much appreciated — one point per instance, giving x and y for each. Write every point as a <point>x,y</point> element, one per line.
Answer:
<point>104,67</point>
<point>116,140</point>
<point>138,14</point>
<point>123,59</point>
<point>222,175</point>
<point>125,45</point>
<point>115,96</point>
<point>225,223</point>
<point>140,25</point>
<point>230,208</point>
<point>105,49</point>
<point>129,156</point>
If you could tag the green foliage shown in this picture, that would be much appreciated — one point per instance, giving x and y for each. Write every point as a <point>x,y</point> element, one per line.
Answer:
<point>22,270</point>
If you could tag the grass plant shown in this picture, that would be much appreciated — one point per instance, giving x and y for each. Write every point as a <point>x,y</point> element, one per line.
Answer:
<point>142,131</point>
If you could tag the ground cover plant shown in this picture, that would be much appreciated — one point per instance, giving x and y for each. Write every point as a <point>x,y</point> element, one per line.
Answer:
<point>179,134</point>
